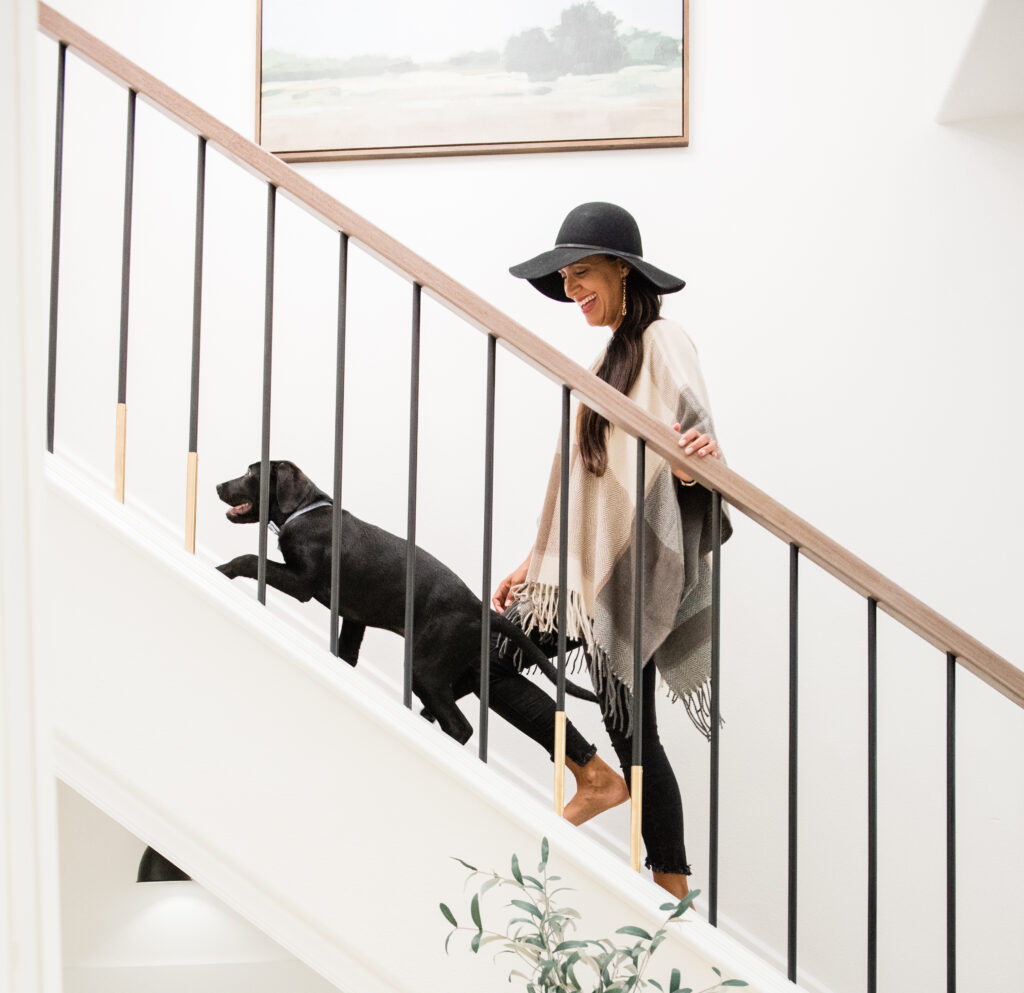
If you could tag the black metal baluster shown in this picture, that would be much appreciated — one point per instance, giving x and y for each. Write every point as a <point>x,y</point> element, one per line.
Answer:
<point>794,566</point>
<point>126,259</point>
<point>716,625</point>
<point>950,823</point>
<point>637,772</point>
<point>268,347</point>
<point>339,432</point>
<point>58,184</point>
<point>410,561</point>
<point>191,486</point>
<point>872,795</point>
<point>563,607</point>
<point>485,595</point>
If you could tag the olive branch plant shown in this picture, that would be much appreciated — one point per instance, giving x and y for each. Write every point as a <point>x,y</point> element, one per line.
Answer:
<point>543,942</point>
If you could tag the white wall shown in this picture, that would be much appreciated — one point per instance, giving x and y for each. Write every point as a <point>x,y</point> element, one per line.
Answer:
<point>150,937</point>
<point>29,926</point>
<point>853,288</point>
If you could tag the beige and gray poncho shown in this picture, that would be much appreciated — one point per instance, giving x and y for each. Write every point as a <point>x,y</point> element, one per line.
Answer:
<point>602,511</point>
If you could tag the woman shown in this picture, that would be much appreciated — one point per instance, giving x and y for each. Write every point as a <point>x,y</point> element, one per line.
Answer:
<point>598,264</point>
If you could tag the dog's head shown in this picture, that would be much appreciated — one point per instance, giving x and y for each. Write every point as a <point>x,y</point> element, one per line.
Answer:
<point>290,489</point>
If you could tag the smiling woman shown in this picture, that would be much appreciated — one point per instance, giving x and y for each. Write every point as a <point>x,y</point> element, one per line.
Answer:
<point>598,264</point>
<point>597,284</point>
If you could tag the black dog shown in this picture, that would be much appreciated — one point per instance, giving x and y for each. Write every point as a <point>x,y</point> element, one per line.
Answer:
<point>446,640</point>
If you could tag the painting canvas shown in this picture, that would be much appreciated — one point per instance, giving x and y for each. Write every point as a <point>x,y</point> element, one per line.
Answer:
<point>343,79</point>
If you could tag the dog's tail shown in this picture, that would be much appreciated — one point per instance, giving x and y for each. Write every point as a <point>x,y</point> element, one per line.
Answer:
<point>533,656</point>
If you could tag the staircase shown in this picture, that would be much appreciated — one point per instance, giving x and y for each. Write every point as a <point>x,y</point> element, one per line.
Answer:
<point>185,708</point>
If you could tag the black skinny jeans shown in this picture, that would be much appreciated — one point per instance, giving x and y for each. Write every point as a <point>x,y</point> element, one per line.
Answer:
<point>527,707</point>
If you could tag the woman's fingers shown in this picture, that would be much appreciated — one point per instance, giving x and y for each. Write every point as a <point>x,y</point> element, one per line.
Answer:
<point>697,441</point>
<point>693,441</point>
<point>502,595</point>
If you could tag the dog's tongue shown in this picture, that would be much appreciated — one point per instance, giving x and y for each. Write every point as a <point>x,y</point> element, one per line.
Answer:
<point>240,509</point>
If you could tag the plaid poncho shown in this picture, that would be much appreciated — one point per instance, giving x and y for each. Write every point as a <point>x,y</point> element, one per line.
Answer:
<point>602,511</point>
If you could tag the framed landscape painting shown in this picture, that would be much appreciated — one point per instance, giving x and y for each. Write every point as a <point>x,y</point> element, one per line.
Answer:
<point>339,79</point>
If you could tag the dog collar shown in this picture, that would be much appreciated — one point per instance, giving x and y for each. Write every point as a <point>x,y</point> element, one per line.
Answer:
<point>298,513</point>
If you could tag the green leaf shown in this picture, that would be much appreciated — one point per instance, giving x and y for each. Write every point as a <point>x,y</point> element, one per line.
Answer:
<point>735,982</point>
<point>675,981</point>
<point>515,869</point>
<point>717,972</point>
<point>449,916</point>
<point>638,932</point>
<point>655,984</point>
<point>680,908</point>
<point>544,851</point>
<point>529,907</point>
<point>534,882</point>
<point>566,945</point>
<point>475,943</point>
<point>446,940</point>
<point>472,868</point>
<point>474,909</point>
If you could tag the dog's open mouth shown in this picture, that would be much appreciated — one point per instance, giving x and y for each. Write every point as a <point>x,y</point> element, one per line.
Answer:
<point>242,508</point>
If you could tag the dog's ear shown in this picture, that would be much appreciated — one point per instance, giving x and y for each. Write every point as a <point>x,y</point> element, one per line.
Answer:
<point>292,485</point>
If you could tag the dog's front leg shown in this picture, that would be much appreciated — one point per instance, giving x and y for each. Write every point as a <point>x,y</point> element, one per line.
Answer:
<point>279,576</point>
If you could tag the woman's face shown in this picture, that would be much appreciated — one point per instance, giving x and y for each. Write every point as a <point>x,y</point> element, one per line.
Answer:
<point>595,285</point>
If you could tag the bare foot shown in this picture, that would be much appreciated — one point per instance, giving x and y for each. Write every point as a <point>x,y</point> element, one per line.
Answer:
<point>598,788</point>
<point>674,882</point>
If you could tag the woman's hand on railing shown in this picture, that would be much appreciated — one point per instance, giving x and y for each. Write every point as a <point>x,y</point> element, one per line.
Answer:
<point>692,440</point>
<point>503,594</point>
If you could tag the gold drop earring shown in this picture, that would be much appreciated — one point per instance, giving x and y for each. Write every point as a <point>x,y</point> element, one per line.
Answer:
<point>623,296</point>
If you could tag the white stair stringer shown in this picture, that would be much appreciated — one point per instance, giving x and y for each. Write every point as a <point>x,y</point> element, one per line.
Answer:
<point>288,783</point>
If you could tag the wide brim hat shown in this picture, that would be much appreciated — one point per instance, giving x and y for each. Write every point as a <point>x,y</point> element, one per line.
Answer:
<point>593,229</point>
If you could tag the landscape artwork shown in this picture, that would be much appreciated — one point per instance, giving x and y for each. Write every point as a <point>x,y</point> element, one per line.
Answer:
<point>340,79</point>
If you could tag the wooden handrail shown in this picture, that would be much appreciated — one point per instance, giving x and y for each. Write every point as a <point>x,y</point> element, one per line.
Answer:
<point>740,493</point>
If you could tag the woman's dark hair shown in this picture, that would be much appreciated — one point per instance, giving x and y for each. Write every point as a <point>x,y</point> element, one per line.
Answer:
<point>620,366</point>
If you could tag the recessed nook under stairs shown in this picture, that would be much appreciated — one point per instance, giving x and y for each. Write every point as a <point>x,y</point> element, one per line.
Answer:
<point>120,936</point>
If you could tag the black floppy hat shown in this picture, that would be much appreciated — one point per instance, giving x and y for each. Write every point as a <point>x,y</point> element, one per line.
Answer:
<point>593,229</point>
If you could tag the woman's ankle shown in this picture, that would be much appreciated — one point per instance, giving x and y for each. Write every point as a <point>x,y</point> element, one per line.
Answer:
<point>674,882</point>
<point>598,788</point>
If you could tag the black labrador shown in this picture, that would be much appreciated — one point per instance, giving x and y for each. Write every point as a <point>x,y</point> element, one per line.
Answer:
<point>446,640</point>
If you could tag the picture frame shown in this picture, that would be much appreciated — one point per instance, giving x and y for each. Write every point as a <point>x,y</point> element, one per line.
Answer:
<point>388,81</point>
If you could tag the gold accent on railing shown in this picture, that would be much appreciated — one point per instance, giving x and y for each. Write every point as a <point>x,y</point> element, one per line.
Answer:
<point>119,451</point>
<point>604,399</point>
<point>636,808</point>
<point>191,485</point>
<point>560,762</point>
